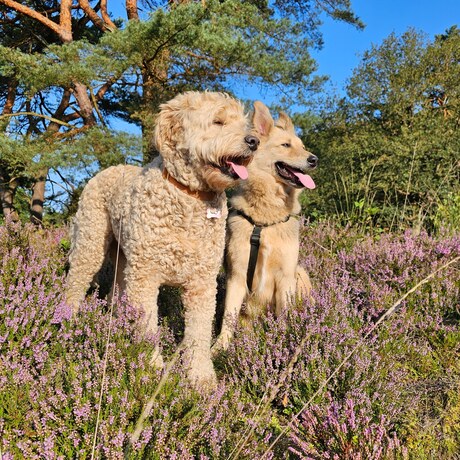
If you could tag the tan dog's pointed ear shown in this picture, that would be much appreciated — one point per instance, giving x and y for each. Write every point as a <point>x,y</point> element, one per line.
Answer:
<point>167,127</point>
<point>284,122</point>
<point>261,119</point>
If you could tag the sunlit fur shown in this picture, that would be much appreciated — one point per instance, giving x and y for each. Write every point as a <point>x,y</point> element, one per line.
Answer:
<point>267,199</point>
<point>166,236</point>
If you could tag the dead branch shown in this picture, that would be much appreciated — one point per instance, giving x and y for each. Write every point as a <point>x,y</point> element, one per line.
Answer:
<point>34,114</point>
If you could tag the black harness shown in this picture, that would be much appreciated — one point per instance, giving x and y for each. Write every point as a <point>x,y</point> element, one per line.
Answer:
<point>255,242</point>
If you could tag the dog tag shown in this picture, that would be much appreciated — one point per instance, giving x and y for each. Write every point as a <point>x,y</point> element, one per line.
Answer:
<point>214,213</point>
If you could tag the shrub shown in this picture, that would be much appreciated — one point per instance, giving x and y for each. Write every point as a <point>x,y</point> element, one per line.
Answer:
<point>395,397</point>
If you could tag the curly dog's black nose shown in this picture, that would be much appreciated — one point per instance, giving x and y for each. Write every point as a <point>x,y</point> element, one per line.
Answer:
<point>252,141</point>
<point>312,161</point>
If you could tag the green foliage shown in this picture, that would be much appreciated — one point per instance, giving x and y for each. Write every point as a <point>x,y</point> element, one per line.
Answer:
<point>80,151</point>
<point>58,66</point>
<point>390,150</point>
<point>448,212</point>
<point>212,47</point>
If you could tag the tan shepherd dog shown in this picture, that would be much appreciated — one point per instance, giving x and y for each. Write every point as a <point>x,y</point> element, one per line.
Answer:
<point>269,199</point>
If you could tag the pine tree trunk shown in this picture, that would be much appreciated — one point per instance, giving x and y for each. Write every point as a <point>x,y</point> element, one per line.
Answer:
<point>38,199</point>
<point>7,185</point>
<point>154,92</point>
<point>7,190</point>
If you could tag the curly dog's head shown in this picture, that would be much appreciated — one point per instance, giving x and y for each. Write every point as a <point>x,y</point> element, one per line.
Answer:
<point>205,140</point>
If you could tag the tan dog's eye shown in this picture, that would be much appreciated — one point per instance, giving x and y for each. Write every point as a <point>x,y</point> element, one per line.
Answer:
<point>287,145</point>
<point>218,122</point>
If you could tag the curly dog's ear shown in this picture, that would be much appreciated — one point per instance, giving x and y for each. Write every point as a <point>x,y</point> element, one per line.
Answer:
<point>261,119</point>
<point>168,127</point>
<point>284,122</point>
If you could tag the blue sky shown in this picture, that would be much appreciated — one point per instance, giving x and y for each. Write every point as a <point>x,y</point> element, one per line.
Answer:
<point>343,44</point>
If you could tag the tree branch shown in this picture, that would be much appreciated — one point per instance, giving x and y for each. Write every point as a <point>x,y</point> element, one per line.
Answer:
<point>96,107</point>
<point>70,134</point>
<point>65,20</point>
<point>84,102</point>
<point>106,86</point>
<point>23,9</point>
<point>131,9</point>
<point>95,19</point>
<point>34,114</point>
<point>210,59</point>
<point>71,116</point>
<point>10,97</point>
<point>71,186</point>
<point>54,126</point>
<point>105,16</point>
<point>63,104</point>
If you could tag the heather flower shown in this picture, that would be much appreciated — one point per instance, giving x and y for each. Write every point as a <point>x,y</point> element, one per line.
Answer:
<point>344,432</point>
<point>401,379</point>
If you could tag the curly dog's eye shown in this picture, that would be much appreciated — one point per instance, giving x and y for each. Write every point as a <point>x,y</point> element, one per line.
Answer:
<point>287,145</point>
<point>218,122</point>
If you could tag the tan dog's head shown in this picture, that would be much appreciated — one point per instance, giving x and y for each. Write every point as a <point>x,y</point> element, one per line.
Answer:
<point>281,152</point>
<point>205,140</point>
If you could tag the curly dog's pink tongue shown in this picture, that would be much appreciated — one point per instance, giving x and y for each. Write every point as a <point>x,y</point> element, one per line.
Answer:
<point>305,179</point>
<point>240,170</point>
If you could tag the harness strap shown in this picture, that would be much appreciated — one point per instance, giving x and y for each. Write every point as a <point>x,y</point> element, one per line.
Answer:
<point>238,212</point>
<point>253,255</point>
<point>255,242</point>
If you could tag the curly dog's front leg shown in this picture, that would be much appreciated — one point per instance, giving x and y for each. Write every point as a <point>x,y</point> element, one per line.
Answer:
<point>142,292</point>
<point>200,305</point>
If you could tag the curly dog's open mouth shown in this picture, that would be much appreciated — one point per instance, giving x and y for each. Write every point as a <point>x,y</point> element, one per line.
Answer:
<point>295,177</point>
<point>234,166</point>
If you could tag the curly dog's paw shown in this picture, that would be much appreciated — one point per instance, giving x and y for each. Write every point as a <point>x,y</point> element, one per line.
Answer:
<point>202,375</point>
<point>157,360</point>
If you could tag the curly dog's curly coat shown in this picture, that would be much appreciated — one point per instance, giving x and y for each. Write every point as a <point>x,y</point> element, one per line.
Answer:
<point>170,216</point>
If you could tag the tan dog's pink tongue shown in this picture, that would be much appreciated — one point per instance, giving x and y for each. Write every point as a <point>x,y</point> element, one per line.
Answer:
<point>306,180</point>
<point>240,170</point>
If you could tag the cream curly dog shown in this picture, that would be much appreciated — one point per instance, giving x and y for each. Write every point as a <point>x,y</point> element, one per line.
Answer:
<point>170,216</point>
<point>269,200</point>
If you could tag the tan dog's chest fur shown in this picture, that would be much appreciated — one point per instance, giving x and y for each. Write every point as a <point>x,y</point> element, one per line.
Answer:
<point>269,197</point>
<point>278,254</point>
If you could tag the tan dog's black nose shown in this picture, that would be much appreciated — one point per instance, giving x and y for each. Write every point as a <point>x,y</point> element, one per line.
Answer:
<point>312,161</point>
<point>252,141</point>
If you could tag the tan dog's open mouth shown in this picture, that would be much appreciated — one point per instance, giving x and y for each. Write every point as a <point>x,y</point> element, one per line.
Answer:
<point>235,166</point>
<point>296,177</point>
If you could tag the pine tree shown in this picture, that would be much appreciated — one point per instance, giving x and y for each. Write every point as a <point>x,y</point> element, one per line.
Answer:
<point>69,69</point>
